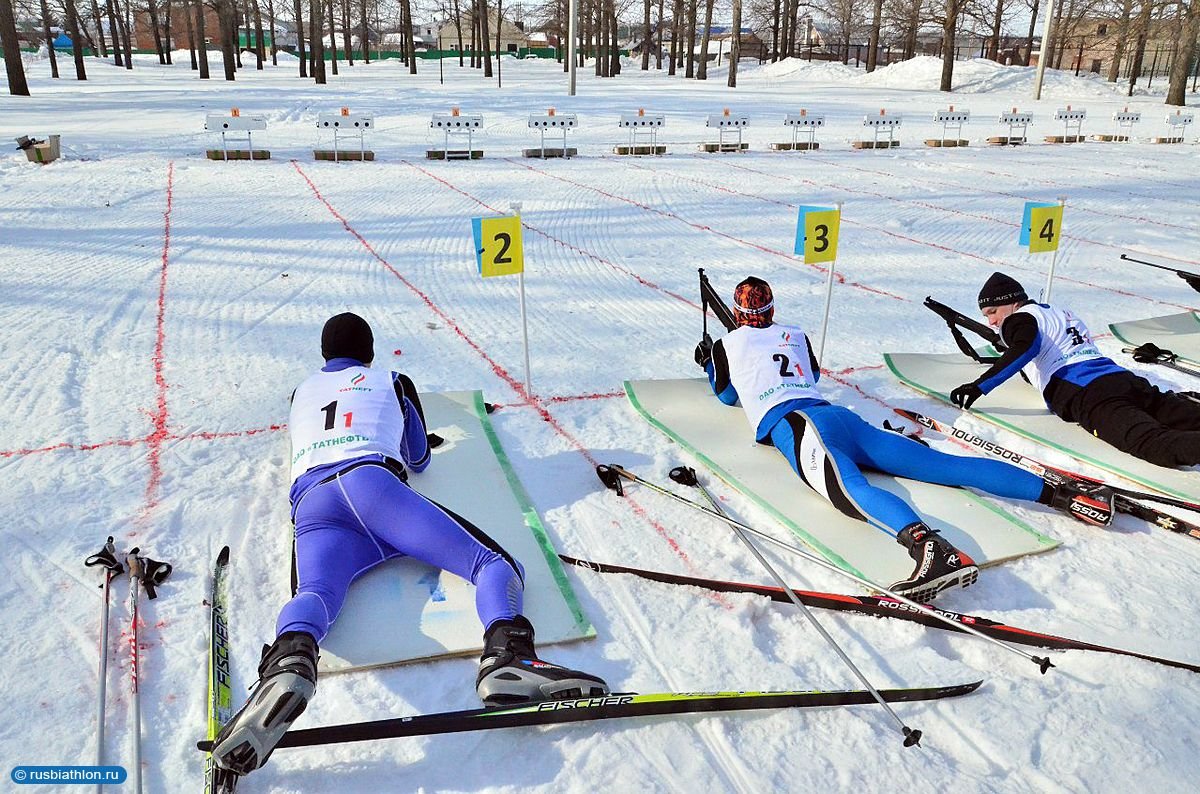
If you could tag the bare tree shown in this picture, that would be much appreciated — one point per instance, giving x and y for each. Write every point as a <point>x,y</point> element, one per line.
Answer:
<point>949,25</point>
<point>1181,67</point>
<point>76,39</point>
<point>364,36</point>
<point>316,15</point>
<point>260,47</point>
<point>333,52</point>
<point>873,43</point>
<point>227,23</point>
<point>201,39</point>
<point>126,32</point>
<point>692,8</point>
<point>47,23</point>
<point>156,31</point>
<point>705,36</point>
<point>13,67</point>
<point>99,28</point>
<point>297,8</point>
<point>408,29</point>
<point>676,32</point>
<point>735,44</point>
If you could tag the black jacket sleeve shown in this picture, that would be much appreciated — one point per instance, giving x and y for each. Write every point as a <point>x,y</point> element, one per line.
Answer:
<point>1020,333</point>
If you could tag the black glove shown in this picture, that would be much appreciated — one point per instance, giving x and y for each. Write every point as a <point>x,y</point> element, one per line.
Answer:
<point>966,395</point>
<point>703,354</point>
<point>1150,353</point>
<point>434,440</point>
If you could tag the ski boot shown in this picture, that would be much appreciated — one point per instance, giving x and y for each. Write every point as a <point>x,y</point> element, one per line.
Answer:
<point>1086,500</point>
<point>940,566</point>
<point>287,679</point>
<point>510,671</point>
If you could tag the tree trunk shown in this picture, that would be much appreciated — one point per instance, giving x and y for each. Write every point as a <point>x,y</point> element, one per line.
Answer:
<point>13,67</point>
<point>347,44</point>
<point>235,32</point>
<point>997,22</point>
<point>778,29</point>
<point>599,37</point>
<point>316,36</point>
<point>99,29</point>
<point>735,44</point>
<point>168,45</point>
<point>458,28</point>
<point>49,34</point>
<point>615,69</point>
<point>484,33</point>
<point>658,34</point>
<point>191,33</point>
<point>364,33</point>
<point>260,46</point>
<point>676,13</point>
<point>948,28</point>
<point>1029,38</point>
<point>299,19</point>
<point>706,35</point>
<point>873,43</point>
<point>332,37</point>
<point>152,9</point>
<point>126,34</point>
<point>76,39</point>
<point>646,35</point>
<point>201,42</point>
<point>115,29</point>
<point>228,26</point>
<point>412,61</point>
<point>1122,36</point>
<point>693,8</point>
<point>1181,67</point>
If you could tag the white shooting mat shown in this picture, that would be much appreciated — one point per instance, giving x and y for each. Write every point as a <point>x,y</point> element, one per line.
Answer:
<point>718,436</point>
<point>1017,406</point>
<point>405,611</point>
<point>1179,333</point>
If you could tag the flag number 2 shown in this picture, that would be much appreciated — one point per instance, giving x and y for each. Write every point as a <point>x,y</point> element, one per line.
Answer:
<point>330,412</point>
<point>502,257</point>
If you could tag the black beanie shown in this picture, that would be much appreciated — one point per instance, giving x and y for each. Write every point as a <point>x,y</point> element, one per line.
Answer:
<point>1001,290</point>
<point>347,336</point>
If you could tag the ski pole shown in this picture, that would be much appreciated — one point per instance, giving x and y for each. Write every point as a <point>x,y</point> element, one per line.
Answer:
<point>687,476</point>
<point>107,558</point>
<point>147,573</point>
<point>612,473</point>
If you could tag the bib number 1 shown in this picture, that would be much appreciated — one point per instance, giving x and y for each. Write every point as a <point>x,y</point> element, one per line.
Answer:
<point>330,412</point>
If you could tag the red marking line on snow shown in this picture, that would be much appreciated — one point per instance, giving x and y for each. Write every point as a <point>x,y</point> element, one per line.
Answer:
<point>500,372</point>
<point>668,214</point>
<point>160,418</point>
<point>551,237</point>
<point>567,398</point>
<point>201,435</point>
<point>121,442</point>
<point>848,370</point>
<point>897,235</point>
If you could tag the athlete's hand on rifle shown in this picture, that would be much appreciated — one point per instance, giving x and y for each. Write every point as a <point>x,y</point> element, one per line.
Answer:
<point>966,395</point>
<point>703,354</point>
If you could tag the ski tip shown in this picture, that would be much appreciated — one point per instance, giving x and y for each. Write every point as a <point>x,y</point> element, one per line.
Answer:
<point>1043,663</point>
<point>912,737</point>
<point>223,557</point>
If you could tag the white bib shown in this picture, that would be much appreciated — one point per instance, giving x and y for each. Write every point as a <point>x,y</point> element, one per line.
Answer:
<point>769,366</point>
<point>342,415</point>
<point>1064,340</point>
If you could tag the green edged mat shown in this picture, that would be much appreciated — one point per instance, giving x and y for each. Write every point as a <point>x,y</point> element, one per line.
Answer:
<point>1179,333</point>
<point>1016,406</point>
<point>719,437</point>
<point>404,611</point>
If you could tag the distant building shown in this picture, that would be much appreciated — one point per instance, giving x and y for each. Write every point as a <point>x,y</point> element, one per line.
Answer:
<point>512,34</point>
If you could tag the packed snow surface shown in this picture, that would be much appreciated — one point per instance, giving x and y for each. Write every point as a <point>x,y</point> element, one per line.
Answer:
<point>158,309</point>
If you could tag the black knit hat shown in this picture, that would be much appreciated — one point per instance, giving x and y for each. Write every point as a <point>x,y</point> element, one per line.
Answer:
<point>1001,290</point>
<point>347,336</point>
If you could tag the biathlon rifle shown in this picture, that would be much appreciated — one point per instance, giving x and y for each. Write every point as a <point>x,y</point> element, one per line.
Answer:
<point>956,321</point>
<point>1192,279</point>
<point>709,299</point>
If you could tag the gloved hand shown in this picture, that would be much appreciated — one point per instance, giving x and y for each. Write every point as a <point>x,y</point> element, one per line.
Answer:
<point>703,354</point>
<point>966,395</point>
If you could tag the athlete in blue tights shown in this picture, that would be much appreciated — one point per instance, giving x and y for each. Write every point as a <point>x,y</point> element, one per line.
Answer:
<point>772,371</point>
<point>355,433</point>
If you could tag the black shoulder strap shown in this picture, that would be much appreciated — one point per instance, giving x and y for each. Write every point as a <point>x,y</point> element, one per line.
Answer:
<point>956,321</point>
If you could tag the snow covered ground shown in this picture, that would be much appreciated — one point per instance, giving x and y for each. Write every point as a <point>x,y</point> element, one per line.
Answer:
<point>158,308</point>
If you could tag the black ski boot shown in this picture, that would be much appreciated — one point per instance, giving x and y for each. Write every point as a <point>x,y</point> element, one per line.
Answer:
<point>287,679</point>
<point>510,671</point>
<point>1086,500</point>
<point>940,566</point>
